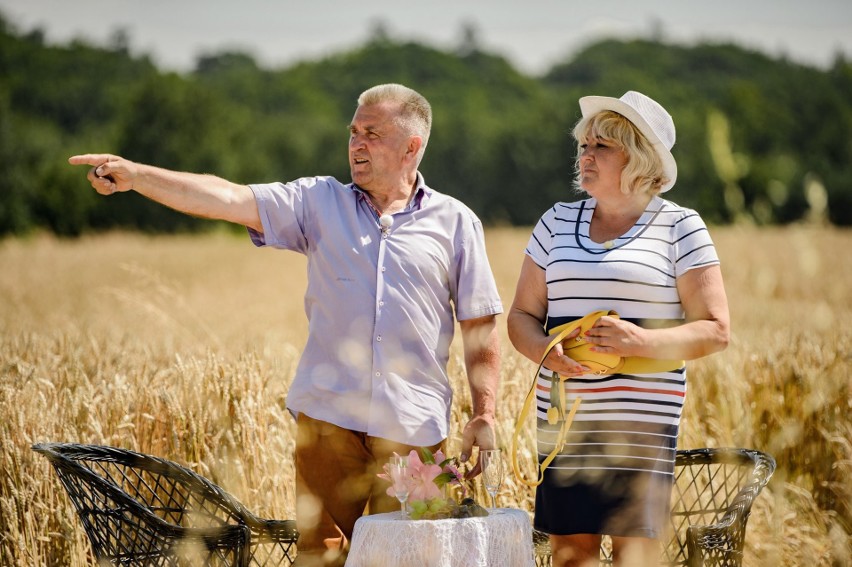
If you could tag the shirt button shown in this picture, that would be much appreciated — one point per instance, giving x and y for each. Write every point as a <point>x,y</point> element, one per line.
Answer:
<point>378,373</point>
<point>379,338</point>
<point>384,269</point>
<point>381,303</point>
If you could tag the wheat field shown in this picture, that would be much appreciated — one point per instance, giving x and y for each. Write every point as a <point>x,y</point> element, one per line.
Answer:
<point>183,347</point>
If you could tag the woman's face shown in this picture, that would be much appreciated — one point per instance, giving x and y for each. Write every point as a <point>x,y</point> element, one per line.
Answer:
<point>601,163</point>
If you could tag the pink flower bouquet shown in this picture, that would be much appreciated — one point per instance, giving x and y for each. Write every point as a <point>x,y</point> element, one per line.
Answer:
<point>429,477</point>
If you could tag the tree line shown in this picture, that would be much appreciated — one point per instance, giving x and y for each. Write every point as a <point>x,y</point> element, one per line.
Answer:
<point>759,139</point>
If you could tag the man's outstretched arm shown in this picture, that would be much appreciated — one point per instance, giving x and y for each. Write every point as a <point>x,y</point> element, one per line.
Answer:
<point>195,194</point>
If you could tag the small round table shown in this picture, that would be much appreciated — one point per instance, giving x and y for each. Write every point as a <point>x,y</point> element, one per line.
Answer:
<point>501,539</point>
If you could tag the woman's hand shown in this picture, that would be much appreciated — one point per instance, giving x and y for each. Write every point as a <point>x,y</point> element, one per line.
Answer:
<point>559,362</point>
<point>612,335</point>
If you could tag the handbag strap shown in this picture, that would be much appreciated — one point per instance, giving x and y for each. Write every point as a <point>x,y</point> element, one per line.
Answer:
<point>551,414</point>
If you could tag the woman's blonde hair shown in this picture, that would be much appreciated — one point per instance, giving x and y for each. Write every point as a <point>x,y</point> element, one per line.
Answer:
<point>415,116</point>
<point>644,169</point>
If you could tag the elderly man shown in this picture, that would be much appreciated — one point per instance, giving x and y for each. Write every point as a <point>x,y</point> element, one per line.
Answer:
<point>392,264</point>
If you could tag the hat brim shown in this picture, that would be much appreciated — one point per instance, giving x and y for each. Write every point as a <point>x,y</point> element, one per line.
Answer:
<point>591,105</point>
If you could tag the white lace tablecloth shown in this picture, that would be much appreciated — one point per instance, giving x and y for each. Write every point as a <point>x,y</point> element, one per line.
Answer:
<point>502,539</point>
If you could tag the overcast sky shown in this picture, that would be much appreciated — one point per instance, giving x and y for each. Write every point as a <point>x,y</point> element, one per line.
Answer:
<point>532,34</point>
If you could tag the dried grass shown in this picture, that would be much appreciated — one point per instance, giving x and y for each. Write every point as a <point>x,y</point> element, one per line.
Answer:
<point>183,347</point>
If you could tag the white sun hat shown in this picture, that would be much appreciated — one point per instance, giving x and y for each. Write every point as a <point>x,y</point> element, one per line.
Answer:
<point>649,117</point>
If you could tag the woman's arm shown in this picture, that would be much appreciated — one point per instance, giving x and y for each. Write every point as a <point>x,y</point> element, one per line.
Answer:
<point>706,330</point>
<point>526,322</point>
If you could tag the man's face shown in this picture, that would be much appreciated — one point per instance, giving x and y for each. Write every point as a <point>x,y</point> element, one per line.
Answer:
<point>377,147</point>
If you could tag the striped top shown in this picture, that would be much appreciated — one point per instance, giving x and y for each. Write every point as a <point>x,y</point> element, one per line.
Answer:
<point>625,422</point>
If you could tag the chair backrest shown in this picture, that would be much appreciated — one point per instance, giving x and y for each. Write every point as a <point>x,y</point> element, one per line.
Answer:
<point>178,501</point>
<point>711,500</point>
<point>124,529</point>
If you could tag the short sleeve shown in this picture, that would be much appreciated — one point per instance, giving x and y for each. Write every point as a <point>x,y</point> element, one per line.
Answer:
<point>283,209</point>
<point>693,247</point>
<point>476,292</point>
<point>538,247</point>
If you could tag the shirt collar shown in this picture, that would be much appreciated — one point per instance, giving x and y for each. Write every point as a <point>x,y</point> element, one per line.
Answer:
<point>422,192</point>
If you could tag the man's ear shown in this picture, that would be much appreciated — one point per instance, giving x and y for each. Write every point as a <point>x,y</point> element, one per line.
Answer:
<point>414,145</point>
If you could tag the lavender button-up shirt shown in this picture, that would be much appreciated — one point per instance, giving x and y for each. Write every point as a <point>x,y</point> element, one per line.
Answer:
<point>380,303</point>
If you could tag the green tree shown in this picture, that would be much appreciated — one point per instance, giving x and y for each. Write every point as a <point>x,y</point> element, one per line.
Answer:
<point>501,140</point>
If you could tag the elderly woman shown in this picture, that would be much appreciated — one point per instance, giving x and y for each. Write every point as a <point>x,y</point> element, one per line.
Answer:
<point>626,249</point>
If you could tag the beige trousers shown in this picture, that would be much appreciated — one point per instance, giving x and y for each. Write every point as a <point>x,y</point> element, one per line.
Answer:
<point>336,483</point>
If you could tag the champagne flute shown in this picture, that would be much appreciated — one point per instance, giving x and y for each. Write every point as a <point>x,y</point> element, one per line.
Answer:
<point>492,473</point>
<point>398,469</point>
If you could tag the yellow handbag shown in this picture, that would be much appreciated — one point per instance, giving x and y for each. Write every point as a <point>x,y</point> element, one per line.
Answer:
<point>599,363</point>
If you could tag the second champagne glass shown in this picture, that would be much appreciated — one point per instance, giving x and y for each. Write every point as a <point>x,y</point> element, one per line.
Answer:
<point>399,477</point>
<point>491,464</point>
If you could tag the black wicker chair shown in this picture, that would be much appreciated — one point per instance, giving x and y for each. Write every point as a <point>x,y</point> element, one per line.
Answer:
<point>711,502</point>
<point>143,510</point>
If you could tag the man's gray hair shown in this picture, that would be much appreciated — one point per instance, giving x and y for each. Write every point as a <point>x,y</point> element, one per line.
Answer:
<point>415,116</point>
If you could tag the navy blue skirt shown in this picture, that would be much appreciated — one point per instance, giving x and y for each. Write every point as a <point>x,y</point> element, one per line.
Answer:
<point>584,494</point>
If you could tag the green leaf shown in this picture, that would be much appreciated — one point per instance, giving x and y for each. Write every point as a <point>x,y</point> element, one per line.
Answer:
<point>444,478</point>
<point>426,456</point>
